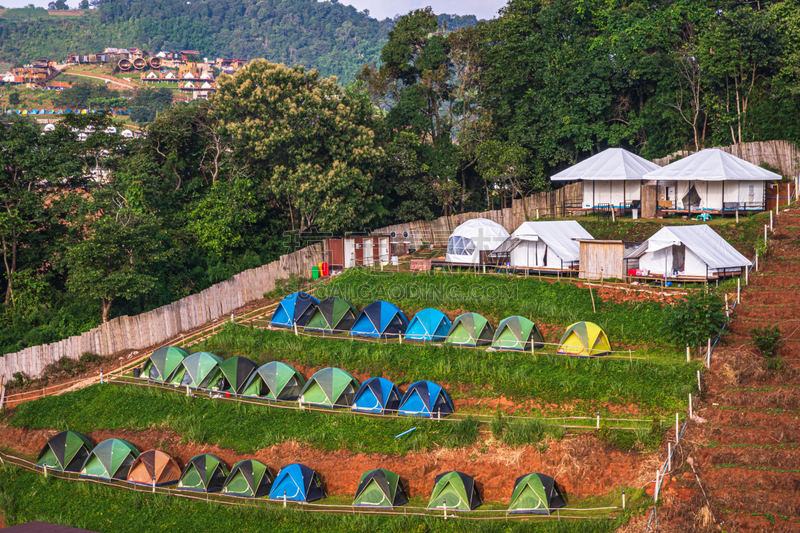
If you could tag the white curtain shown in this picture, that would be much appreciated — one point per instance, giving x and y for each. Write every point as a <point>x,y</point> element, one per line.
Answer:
<point>681,190</point>
<point>712,194</point>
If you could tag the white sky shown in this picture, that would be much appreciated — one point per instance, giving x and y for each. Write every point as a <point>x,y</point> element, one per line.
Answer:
<point>380,9</point>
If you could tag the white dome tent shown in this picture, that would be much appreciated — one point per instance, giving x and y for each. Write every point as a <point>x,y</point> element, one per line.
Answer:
<point>473,237</point>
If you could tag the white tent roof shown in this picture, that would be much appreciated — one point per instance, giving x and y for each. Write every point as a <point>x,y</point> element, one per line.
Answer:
<point>712,165</point>
<point>473,236</point>
<point>557,235</point>
<point>610,164</point>
<point>703,241</point>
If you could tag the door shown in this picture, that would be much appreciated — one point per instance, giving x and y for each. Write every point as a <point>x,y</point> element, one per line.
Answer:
<point>358,245</point>
<point>349,253</point>
<point>367,252</point>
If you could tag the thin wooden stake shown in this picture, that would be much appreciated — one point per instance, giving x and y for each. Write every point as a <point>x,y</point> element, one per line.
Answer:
<point>690,405</point>
<point>594,309</point>
<point>669,457</point>
<point>738,289</point>
<point>688,357</point>
<point>698,381</point>
<point>677,423</point>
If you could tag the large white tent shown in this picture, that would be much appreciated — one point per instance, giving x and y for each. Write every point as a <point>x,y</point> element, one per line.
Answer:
<point>614,176</point>
<point>688,251</point>
<point>544,244</point>
<point>713,179</point>
<point>471,238</point>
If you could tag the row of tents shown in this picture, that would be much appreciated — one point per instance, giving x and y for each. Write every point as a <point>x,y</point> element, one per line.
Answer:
<point>382,319</point>
<point>277,381</point>
<point>66,111</point>
<point>118,459</point>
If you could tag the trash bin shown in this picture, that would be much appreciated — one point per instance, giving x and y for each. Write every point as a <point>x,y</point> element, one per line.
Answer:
<point>315,272</point>
<point>325,269</point>
<point>635,213</point>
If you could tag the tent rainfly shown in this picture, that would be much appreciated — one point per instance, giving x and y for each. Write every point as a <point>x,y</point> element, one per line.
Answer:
<point>470,329</point>
<point>275,381</point>
<point>111,459</point>
<point>65,452</point>
<point>517,333</point>
<point>237,372</point>
<point>473,237</point>
<point>297,483</point>
<point>377,395</point>
<point>199,370</point>
<point>330,387</point>
<point>426,399</point>
<point>428,325</point>
<point>380,489</point>
<point>612,177</point>
<point>713,179</point>
<point>204,473</point>
<point>535,493</point>
<point>380,319</point>
<point>454,490</point>
<point>584,339</point>
<point>154,467</point>
<point>676,251</point>
<point>332,315</point>
<point>550,244</point>
<point>294,309</point>
<point>248,479</point>
<point>163,362</point>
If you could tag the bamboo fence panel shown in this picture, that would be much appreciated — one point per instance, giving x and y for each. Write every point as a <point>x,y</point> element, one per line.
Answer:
<point>161,324</point>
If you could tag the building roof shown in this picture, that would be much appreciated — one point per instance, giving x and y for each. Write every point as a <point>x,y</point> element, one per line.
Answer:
<point>610,164</point>
<point>712,165</point>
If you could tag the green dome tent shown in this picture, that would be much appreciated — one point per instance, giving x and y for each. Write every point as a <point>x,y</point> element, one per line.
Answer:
<point>275,381</point>
<point>380,488</point>
<point>535,493</point>
<point>456,490</point>
<point>470,329</point>
<point>330,387</point>
<point>199,370</point>
<point>237,372</point>
<point>332,315</point>
<point>163,362</point>
<point>204,473</point>
<point>111,459</point>
<point>249,479</point>
<point>65,452</point>
<point>517,333</point>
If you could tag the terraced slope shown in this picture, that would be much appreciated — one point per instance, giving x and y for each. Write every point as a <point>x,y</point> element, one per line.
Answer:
<point>749,449</point>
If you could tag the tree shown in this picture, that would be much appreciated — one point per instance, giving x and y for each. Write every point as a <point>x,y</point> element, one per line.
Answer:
<point>84,4</point>
<point>309,141</point>
<point>503,165</point>
<point>13,98</point>
<point>693,320</point>
<point>689,101</point>
<point>58,5</point>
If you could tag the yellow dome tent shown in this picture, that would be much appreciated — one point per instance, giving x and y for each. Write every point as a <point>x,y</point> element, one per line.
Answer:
<point>584,339</point>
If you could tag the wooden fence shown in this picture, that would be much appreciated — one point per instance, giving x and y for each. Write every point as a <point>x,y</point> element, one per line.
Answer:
<point>156,326</point>
<point>780,155</point>
<point>436,232</point>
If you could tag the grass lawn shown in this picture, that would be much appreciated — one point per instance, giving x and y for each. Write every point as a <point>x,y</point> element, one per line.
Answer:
<point>25,496</point>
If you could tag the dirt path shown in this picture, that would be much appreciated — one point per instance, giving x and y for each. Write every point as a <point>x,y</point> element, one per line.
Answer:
<point>107,79</point>
<point>748,451</point>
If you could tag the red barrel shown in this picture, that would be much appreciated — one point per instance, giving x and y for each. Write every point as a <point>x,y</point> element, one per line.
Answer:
<point>324,269</point>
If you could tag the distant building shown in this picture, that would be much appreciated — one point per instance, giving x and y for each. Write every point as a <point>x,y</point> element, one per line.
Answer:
<point>186,53</point>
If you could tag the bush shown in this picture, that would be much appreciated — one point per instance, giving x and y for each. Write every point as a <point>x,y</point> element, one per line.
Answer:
<point>767,340</point>
<point>700,316</point>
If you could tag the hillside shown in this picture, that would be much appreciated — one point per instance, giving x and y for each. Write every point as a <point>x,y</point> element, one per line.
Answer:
<point>331,37</point>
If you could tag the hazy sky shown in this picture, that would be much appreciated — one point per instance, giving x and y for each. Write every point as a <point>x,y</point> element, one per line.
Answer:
<point>380,9</point>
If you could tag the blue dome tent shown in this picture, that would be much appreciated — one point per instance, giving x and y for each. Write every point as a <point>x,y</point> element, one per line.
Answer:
<point>377,395</point>
<point>298,483</point>
<point>380,320</point>
<point>294,309</point>
<point>426,399</point>
<point>428,325</point>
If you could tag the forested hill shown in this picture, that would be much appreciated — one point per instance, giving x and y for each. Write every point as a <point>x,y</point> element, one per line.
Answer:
<point>332,37</point>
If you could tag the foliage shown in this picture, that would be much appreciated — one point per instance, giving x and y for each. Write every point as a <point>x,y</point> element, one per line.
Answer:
<point>22,500</point>
<point>693,320</point>
<point>577,385</point>
<point>13,98</point>
<point>767,339</point>
<point>524,432</point>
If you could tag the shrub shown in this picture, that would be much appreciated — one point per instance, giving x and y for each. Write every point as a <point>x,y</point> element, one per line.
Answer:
<point>767,340</point>
<point>700,316</point>
<point>89,357</point>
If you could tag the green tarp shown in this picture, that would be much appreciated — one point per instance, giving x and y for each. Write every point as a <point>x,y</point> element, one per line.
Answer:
<point>470,329</point>
<point>517,333</point>
<point>330,387</point>
<point>275,381</point>
<point>110,459</point>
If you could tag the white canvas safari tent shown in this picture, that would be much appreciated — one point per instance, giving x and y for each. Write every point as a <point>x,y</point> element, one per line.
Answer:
<point>612,177</point>
<point>471,238</point>
<point>543,245</point>
<point>713,180</point>
<point>691,251</point>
